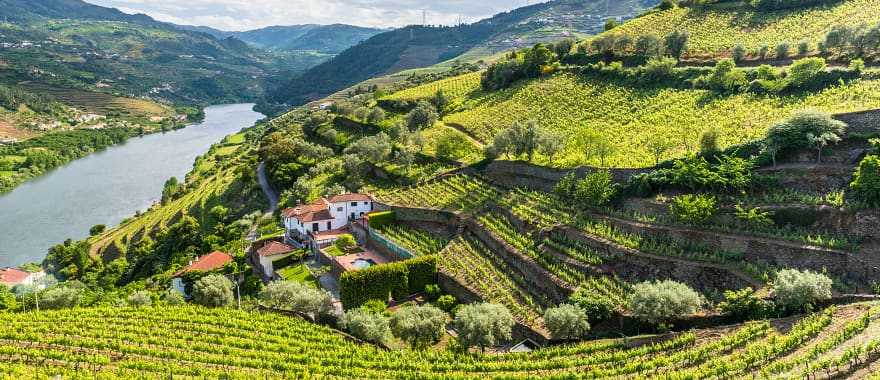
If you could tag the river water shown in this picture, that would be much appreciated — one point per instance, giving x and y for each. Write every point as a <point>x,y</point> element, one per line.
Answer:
<point>106,187</point>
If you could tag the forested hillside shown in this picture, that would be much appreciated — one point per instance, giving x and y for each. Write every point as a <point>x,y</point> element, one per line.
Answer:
<point>421,46</point>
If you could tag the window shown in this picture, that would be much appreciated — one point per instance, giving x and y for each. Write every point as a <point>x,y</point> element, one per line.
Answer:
<point>329,226</point>
<point>354,204</point>
<point>339,209</point>
<point>315,227</point>
<point>366,203</point>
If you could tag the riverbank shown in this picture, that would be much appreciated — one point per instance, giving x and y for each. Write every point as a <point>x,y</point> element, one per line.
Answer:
<point>107,187</point>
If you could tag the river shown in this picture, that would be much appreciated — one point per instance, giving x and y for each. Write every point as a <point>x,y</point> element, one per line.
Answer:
<point>106,187</point>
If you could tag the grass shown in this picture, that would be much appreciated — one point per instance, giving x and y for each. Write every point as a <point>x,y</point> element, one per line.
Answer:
<point>226,151</point>
<point>718,28</point>
<point>298,273</point>
<point>236,139</point>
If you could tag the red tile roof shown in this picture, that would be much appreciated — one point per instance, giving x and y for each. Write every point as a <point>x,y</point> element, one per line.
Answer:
<point>316,211</point>
<point>211,261</point>
<point>12,276</point>
<point>350,198</point>
<point>274,248</point>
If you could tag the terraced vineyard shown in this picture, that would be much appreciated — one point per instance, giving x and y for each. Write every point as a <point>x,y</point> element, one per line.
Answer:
<point>589,110</point>
<point>473,265</point>
<point>458,192</point>
<point>455,87</point>
<point>416,241</point>
<point>194,342</point>
<point>718,28</point>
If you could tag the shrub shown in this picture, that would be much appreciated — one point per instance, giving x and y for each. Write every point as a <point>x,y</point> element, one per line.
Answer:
<point>173,298</point>
<point>797,290</point>
<point>866,181</point>
<point>7,299</point>
<point>567,322</point>
<point>345,242</point>
<point>801,129</point>
<point>140,298</point>
<point>709,142</point>
<point>61,298</point>
<point>97,229</point>
<point>432,291</point>
<point>596,189</point>
<point>214,290</point>
<point>744,304</point>
<point>857,66</point>
<point>677,43</point>
<point>782,50</point>
<point>377,282</point>
<point>662,301</point>
<point>366,325</point>
<point>375,306</point>
<point>738,53</point>
<point>804,47</point>
<point>419,326</point>
<point>805,72</point>
<point>596,306</point>
<point>446,302</point>
<point>296,296</point>
<point>421,117</point>
<point>483,325</point>
<point>693,208</point>
<point>754,216</point>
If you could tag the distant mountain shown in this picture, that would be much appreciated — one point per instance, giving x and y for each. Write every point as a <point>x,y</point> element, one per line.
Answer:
<point>420,46</point>
<point>327,39</point>
<point>71,43</point>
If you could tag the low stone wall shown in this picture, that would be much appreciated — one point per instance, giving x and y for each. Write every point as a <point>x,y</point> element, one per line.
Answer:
<point>863,122</point>
<point>633,266</point>
<point>413,214</point>
<point>763,251</point>
<point>542,280</point>
<point>513,174</point>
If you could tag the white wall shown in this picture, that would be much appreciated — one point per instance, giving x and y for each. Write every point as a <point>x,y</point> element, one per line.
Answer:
<point>177,284</point>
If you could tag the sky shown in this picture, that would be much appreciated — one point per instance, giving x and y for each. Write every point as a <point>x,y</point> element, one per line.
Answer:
<point>238,15</point>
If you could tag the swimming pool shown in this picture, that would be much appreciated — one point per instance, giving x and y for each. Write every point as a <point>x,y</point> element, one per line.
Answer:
<point>363,263</point>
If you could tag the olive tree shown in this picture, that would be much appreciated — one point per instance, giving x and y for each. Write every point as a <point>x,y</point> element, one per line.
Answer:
<point>567,322</point>
<point>214,290</point>
<point>298,297</point>
<point>419,326</point>
<point>60,298</point>
<point>421,117</point>
<point>661,301</point>
<point>796,289</point>
<point>366,325</point>
<point>140,298</point>
<point>483,325</point>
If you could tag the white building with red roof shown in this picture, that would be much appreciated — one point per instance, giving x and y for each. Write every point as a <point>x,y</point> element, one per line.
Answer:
<point>210,262</point>
<point>271,253</point>
<point>326,215</point>
<point>12,277</point>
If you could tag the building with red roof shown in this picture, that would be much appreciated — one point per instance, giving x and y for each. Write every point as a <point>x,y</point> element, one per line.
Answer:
<point>273,255</point>
<point>210,262</point>
<point>12,276</point>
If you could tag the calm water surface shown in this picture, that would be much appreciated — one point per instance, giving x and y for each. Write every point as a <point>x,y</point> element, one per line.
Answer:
<point>106,187</point>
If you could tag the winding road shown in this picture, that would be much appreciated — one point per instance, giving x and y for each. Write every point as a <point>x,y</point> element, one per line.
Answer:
<point>271,194</point>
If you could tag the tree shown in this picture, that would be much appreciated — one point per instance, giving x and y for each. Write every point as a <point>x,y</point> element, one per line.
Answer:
<point>803,47</point>
<point>171,188</point>
<point>744,304</point>
<point>361,113</point>
<point>219,213</point>
<point>611,24</point>
<point>667,4</point>
<point>550,144</point>
<point>366,325</point>
<point>537,60</point>
<point>866,181</point>
<point>62,297</point>
<point>658,145</point>
<point>677,43</point>
<point>440,101</point>
<point>563,48</point>
<point>796,290</point>
<point>7,299</point>
<point>97,229</point>
<point>421,117</point>
<point>821,141</point>
<point>419,326</point>
<point>173,298</point>
<point>597,189</point>
<point>796,131</point>
<point>709,142</point>
<point>452,145</point>
<point>738,53</point>
<point>483,325</point>
<point>375,149</point>
<point>376,116</point>
<point>140,299</point>
<point>214,290</point>
<point>782,50</point>
<point>567,322</point>
<point>662,301</point>
<point>803,72</point>
<point>345,241</point>
<point>649,45</point>
<point>297,296</point>
<point>603,148</point>
<point>597,307</point>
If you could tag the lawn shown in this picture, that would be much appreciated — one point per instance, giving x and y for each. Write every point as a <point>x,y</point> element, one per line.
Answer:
<point>298,273</point>
<point>236,139</point>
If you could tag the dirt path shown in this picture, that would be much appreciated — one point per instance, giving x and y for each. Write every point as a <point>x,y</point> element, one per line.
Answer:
<point>465,132</point>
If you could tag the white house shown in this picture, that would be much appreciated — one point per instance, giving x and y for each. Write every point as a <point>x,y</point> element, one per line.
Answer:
<point>12,277</point>
<point>270,253</point>
<point>323,215</point>
<point>212,261</point>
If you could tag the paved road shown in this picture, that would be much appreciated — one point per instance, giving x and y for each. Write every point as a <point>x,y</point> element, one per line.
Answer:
<point>271,194</point>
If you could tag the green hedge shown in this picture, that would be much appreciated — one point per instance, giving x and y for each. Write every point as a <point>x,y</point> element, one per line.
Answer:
<point>382,219</point>
<point>396,280</point>
<point>287,261</point>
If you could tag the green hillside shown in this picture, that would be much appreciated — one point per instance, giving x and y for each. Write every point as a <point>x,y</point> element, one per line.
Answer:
<point>163,342</point>
<point>718,28</point>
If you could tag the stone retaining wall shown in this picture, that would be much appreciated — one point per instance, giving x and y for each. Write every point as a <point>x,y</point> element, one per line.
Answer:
<point>863,122</point>
<point>763,251</point>
<point>512,174</point>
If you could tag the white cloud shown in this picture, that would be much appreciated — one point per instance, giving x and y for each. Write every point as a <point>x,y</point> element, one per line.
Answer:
<point>252,14</point>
